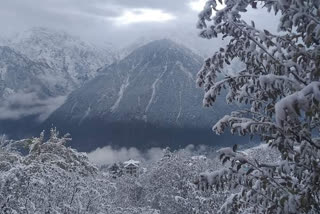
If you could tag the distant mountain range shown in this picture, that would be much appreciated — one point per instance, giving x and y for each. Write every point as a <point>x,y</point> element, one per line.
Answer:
<point>142,96</point>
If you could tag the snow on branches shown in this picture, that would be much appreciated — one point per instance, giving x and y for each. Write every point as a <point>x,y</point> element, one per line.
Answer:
<point>279,93</point>
<point>291,104</point>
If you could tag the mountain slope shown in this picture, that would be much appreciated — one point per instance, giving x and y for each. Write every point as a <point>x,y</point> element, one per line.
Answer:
<point>20,74</point>
<point>147,97</point>
<point>29,92</point>
<point>38,68</point>
<point>154,83</point>
<point>77,61</point>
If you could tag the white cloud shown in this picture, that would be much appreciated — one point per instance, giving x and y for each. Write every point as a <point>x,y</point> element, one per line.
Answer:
<point>139,15</point>
<point>198,5</point>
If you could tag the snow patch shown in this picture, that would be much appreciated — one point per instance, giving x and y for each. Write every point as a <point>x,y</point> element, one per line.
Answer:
<point>120,94</point>
<point>85,115</point>
<point>131,162</point>
<point>154,87</point>
<point>184,70</point>
<point>290,105</point>
<point>73,107</point>
<point>180,107</point>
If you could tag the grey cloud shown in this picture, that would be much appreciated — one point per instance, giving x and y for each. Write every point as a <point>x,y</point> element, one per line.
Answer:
<point>79,16</point>
<point>92,20</point>
<point>50,10</point>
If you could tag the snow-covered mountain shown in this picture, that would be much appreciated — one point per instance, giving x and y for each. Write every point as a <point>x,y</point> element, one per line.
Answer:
<point>156,84</point>
<point>19,73</point>
<point>186,38</point>
<point>76,60</point>
<point>128,49</point>
<point>38,68</point>
<point>46,64</point>
<point>28,89</point>
<point>153,86</point>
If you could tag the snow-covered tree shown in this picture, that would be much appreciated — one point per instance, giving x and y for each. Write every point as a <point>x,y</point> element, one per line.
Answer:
<point>51,178</point>
<point>168,185</point>
<point>279,90</point>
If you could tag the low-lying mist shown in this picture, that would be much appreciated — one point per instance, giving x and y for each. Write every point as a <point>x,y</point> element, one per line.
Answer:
<point>109,155</point>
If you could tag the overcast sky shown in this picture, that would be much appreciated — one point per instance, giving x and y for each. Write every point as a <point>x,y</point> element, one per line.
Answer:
<point>115,21</point>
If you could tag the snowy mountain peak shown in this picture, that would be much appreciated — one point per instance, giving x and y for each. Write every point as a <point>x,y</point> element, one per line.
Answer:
<point>163,43</point>
<point>164,46</point>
